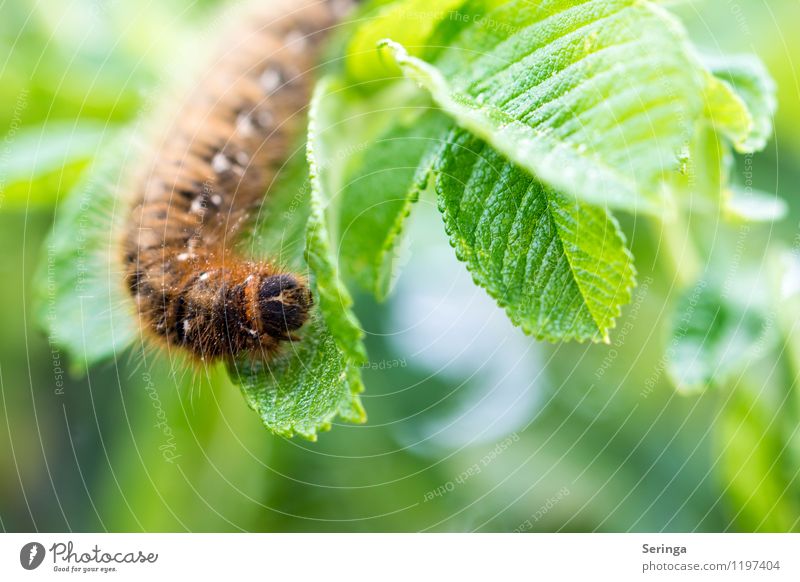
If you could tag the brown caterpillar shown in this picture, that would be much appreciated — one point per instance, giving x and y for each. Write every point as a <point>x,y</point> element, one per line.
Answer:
<point>208,173</point>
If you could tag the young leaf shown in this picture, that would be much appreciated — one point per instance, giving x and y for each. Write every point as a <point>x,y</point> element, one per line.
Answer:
<point>334,299</point>
<point>378,196</point>
<point>303,389</point>
<point>80,298</point>
<point>727,112</point>
<point>410,22</point>
<point>715,336</point>
<point>595,99</point>
<point>742,101</point>
<point>559,267</point>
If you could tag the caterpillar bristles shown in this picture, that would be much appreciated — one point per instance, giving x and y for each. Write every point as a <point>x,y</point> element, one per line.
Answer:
<point>208,171</point>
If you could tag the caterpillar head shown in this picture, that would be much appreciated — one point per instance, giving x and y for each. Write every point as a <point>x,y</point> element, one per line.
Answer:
<point>284,302</point>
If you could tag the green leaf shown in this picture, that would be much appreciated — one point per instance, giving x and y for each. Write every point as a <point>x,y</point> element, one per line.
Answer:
<point>335,301</point>
<point>559,267</point>
<point>279,228</point>
<point>305,388</point>
<point>705,171</point>
<point>754,465</point>
<point>45,160</point>
<point>81,301</point>
<point>715,335</point>
<point>379,194</point>
<point>310,381</point>
<point>755,206</point>
<point>741,101</point>
<point>783,270</point>
<point>410,22</point>
<point>595,99</point>
<point>80,296</point>
<point>727,112</point>
<point>704,181</point>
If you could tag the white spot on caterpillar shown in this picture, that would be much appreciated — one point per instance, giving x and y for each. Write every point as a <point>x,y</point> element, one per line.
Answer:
<point>270,80</point>
<point>296,41</point>
<point>156,189</point>
<point>216,199</point>
<point>244,124</point>
<point>252,332</point>
<point>204,276</point>
<point>183,256</point>
<point>187,325</point>
<point>219,163</point>
<point>198,205</point>
<point>242,158</point>
<point>264,119</point>
<point>248,279</point>
<point>341,7</point>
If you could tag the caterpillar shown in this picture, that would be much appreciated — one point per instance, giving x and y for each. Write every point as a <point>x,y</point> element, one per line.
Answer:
<point>206,175</point>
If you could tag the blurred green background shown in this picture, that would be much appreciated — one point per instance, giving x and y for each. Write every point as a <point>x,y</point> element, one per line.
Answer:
<point>472,426</point>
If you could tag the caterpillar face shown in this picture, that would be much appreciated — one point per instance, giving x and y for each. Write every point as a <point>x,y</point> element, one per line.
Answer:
<point>212,166</point>
<point>284,302</point>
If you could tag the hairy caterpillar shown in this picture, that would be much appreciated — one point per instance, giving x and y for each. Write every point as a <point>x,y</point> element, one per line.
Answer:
<point>209,171</point>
